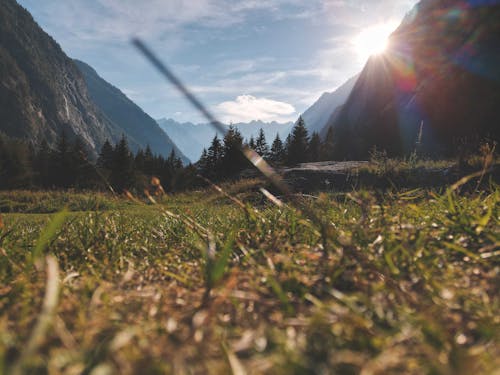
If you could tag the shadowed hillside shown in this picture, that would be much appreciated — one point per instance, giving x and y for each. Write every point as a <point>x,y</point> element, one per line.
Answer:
<point>138,125</point>
<point>440,71</point>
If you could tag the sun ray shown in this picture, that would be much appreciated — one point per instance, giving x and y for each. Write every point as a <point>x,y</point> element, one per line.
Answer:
<point>373,40</point>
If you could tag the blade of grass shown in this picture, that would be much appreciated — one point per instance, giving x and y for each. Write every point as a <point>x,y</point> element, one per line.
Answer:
<point>45,318</point>
<point>49,234</point>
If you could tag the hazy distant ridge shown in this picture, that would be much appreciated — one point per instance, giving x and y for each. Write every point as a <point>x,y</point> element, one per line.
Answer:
<point>192,138</point>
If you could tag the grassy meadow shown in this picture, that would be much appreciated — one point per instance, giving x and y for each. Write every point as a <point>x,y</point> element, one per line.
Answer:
<point>404,282</point>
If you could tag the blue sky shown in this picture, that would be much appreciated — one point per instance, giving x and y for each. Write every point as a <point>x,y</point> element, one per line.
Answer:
<point>255,59</point>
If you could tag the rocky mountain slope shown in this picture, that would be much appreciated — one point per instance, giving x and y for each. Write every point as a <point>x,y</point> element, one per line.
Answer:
<point>192,138</point>
<point>42,93</point>
<point>439,78</point>
<point>317,116</point>
<point>139,127</point>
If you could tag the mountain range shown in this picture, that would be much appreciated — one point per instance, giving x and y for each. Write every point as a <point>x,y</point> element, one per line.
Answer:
<point>44,93</point>
<point>438,84</point>
<point>193,138</point>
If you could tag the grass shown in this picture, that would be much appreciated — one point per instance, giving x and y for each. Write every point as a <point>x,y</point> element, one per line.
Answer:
<point>404,283</point>
<point>54,201</point>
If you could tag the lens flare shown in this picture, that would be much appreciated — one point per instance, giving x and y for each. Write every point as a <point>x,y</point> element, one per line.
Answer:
<point>373,40</point>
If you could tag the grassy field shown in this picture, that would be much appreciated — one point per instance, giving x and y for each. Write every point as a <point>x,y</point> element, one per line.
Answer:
<point>362,283</point>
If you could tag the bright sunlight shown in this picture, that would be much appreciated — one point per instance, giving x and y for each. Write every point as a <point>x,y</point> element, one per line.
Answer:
<point>373,40</point>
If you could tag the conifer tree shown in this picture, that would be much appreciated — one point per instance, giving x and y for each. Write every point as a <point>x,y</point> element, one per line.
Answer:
<point>297,149</point>
<point>203,163</point>
<point>42,165</point>
<point>251,143</point>
<point>314,149</point>
<point>83,173</point>
<point>63,174</point>
<point>261,146</point>
<point>328,145</point>
<point>214,158</point>
<point>277,153</point>
<point>148,166</point>
<point>233,161</point>
<point>105,159</point>
<point>122,173</point>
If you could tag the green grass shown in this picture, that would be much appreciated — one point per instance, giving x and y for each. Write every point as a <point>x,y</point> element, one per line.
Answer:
<point>406,283</point>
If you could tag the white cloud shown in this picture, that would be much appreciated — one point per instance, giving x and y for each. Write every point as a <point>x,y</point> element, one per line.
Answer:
<point>246,108</point>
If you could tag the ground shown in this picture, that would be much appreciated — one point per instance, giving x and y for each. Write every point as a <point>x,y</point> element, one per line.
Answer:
<point>393,282</point>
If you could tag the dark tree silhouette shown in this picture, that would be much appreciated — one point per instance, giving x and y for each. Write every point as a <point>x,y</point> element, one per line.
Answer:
<point>277,153</point>
<point>122,173</point>
<point>233,160</point>
<point>314,149</point>
<point>298,145</point>
<point>327,148</point>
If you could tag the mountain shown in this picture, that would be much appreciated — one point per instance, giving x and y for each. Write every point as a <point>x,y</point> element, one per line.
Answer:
<point>438,78</point>
<point>192,138</point>
<point>317,116</point>
<point>140,128</point>
<point>42,92</point>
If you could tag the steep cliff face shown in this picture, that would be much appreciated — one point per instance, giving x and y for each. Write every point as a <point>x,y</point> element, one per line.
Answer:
<point>440,75</point>
<point>140,128</point>
<point>42,93</point>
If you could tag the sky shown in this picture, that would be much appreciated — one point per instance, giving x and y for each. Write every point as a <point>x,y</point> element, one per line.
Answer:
<point>247,60</point>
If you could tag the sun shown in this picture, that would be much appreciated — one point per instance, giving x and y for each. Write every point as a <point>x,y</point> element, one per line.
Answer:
<point>373,40</point>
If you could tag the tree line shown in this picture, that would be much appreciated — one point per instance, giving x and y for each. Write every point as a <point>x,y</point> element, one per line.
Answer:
<point>223,158</point>
<point>68,164</point>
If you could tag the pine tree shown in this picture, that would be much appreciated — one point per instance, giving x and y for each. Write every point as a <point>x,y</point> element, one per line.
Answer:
<point>277,153</point>
<point>122,172</point>
<point>105,159</point>
<point>63,174</point>
<point>83,173</point>
<point>233,160</point>
<point>42,165</point>
<point>328,145</point>
<point>214,158</point>
<point>149,167</point>
<point>15,168</point>
<point>314,149</point>
<point>261,146</point>
<point>298,146</point>
<point>203,164</point>
<point>251,143</point>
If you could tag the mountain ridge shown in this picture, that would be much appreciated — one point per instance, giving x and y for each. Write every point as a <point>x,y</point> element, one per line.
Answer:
<point>317,116</point>
<point>439,77</point>
<point>42,93</point>
<point>140,128</point>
